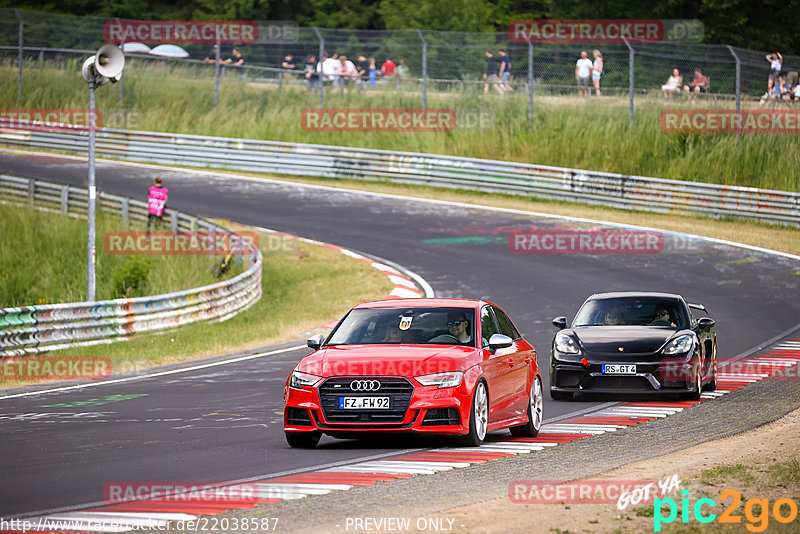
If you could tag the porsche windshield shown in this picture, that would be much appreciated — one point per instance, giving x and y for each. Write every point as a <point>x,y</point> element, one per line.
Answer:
<point>406,326</point>
<point>638,311</point>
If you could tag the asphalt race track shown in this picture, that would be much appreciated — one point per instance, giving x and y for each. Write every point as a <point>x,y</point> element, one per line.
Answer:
<point>223,422</point>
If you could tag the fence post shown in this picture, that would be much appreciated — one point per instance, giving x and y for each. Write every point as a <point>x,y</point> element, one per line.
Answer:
<point>321,79</point>
<point>738,91</point>
<point>64,200</point>
<point>41,59</point>
<point>19,79</point>
<point>125,212</point>
<point>630,76</point>
<point>424,70</point>
<point>530,82</point>
<point>216,75</point>
<point>122,75</point>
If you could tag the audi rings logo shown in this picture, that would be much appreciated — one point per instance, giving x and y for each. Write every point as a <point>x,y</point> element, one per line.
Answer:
<point>365,385</point>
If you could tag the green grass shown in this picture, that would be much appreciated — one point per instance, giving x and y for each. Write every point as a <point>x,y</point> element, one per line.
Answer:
<point>566,131</point>
<point>43,261</point>
<point>723,474</point>
<point>303,287</point>
<point>786,474</point>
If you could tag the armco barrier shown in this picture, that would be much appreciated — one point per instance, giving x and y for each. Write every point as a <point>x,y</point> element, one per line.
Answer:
<point>32,329</point>
<point>607,189</point>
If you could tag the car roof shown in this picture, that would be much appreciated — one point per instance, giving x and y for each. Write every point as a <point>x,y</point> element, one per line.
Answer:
<point>423,303</point>
<point>642,294</point>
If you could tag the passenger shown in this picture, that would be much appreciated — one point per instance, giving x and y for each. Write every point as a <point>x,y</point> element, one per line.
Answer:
<point>614,317</point>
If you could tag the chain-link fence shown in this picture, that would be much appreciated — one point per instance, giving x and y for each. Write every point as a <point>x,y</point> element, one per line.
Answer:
<point>425,62</point>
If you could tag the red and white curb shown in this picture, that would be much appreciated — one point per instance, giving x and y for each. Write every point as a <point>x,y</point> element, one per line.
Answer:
<point>772,363</point>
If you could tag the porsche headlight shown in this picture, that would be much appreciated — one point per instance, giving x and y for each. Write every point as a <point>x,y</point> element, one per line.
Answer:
<point>679,345</point>
<point>566,344</point>
<point>300,379</point>
<point>444,380</point>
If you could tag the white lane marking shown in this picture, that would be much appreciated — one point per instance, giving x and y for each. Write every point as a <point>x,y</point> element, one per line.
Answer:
<point>422,463</point>
<point>407,465</point>
<point>153,375</point>
<point>357,468</point>
<point>302,486</point>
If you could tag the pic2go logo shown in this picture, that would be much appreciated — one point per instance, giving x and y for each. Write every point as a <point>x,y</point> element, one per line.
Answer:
<point>756,511</point>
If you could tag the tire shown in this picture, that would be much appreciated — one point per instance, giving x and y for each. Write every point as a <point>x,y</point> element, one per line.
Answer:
<point>698,383</point>
<point>303,440</point>
<point>531,428</point>
<point>478,417</point>
<point>712,385</point>
<point>560,395</point>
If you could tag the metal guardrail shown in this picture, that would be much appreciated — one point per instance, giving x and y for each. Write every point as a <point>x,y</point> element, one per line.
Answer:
<point>556,183</point>
<point>33,329</point>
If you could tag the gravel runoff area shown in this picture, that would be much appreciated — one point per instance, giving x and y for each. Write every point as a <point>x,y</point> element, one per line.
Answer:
<point>450,494</point>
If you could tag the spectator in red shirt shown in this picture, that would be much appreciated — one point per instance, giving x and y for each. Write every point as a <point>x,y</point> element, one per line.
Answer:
<point>699,83</point>
<point>387,69</point>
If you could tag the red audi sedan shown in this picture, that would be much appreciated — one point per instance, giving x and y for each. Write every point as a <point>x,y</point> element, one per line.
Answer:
<point>438,366</point>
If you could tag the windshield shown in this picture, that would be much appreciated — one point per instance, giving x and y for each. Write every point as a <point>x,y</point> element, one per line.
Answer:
<point>639,311</point>
<point>411,326</point>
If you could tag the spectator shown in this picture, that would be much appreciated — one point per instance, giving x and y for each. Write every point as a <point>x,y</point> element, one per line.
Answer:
<point>212,55</point>
<point>673,85</point>
<point>597,70</point>
<point>156,203</point>
<point>289,65</point>
<point>505,70</point>
<point>791,77</point>
<point>775,66</point>
<point>797,93</point>
<point>311,74</point>
<point>330,66</point>
<point>779,91</point>
<point>699,83</point>
<point>236,59</point>
<point>387,69</point>
<point>785,89</point>
<point>583,69</point>
<point>363,70</point>
<point>347,71</point>
<point>373,72</point>
<point>491,74</point>
<point>402,72</point>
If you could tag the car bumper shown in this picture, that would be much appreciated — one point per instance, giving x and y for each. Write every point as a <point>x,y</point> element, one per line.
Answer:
<point>430,411</point>
<point>650,377</point>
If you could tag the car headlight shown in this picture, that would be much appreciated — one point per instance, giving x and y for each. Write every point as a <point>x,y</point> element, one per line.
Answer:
<point>679,345</point>
<point>300,379</point>
<point>566,344</point>
<point>449,379</point>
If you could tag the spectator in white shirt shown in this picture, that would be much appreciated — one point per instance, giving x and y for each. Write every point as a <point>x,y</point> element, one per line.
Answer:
<point>583,69</point>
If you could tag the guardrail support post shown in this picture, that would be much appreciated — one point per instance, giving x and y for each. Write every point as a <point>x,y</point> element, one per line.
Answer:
<point>424,70</point>
<point>173,221</point>
<point>64,200</point>
<point>31,191</point>
<point>738,90</point>
<point>630,82</point>
<point>19,79</point>
<point>125,213</point>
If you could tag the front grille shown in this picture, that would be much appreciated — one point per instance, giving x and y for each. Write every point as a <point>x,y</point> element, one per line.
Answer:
<point>441,417</point>
<point>297,417</point>
<point>399,391</point>
<point>621,382</point>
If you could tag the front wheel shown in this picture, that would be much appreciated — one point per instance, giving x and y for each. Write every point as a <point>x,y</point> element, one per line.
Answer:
<point>478,418</point>
<point>303,440</point>
<point>712,385</point>
<point>531,428</point>
<point>698,382</point>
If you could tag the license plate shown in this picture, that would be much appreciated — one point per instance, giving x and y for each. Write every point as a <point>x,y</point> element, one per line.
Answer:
<point>363,403</point>
<point>619,369</point>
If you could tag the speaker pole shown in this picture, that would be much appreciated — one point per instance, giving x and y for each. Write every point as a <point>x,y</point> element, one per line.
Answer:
<point>90,245</point>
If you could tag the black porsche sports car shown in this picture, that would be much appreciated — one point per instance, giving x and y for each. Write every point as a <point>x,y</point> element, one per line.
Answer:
<point>634,342</point>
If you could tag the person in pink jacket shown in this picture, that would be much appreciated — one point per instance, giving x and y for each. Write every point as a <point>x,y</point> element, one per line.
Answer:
<point>155,203</point>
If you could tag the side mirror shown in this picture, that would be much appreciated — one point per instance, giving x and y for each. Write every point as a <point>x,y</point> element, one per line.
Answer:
<point>560,322</point>
<point>705,322</point>
<point>500,341</point>
<point>315,342</point>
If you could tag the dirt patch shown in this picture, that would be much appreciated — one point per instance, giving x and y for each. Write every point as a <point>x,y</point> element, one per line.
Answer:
<point>759,464</point>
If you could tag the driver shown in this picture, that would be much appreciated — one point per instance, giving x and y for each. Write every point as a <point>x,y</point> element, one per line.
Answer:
<point>614,317</point>
<point>662,318</point>
<point>458,326</point>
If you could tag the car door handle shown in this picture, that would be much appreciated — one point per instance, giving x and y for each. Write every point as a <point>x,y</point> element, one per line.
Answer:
<point>510,362</point>
<point>528,360</point>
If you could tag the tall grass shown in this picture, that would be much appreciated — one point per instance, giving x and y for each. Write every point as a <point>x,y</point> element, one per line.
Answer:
<point>566,131</point>
<point>43,261</point>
